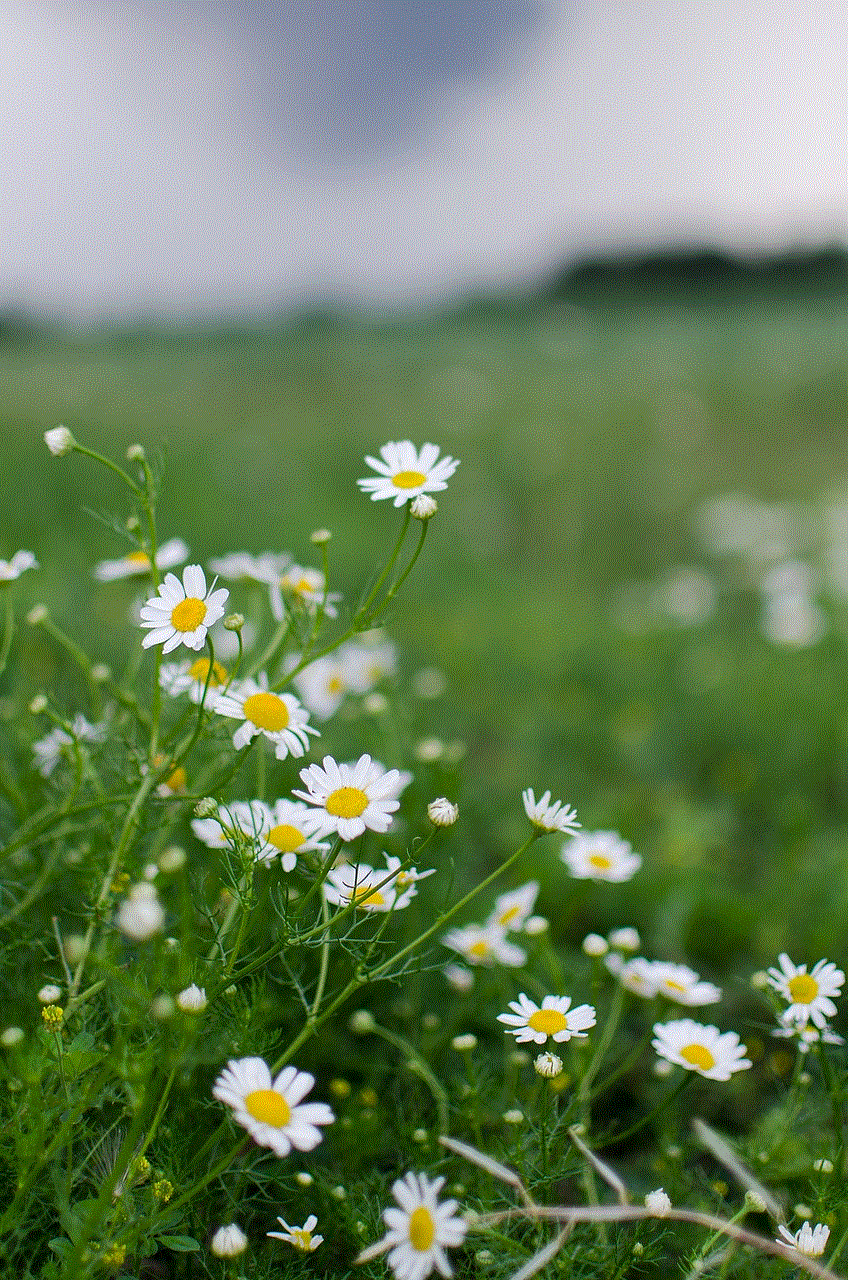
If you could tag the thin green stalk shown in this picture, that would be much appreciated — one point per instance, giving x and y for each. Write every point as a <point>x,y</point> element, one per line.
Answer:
<point>398,583</point>
<point>417,1064</point>
<point>325,962</point>
<point>8,632</point>
<point>362,611</point>
<point>276,642</point>
<point>107,462</point>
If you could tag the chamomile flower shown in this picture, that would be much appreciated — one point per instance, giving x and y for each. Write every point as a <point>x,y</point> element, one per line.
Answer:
<point>277,716</point>
<point>807,1036</point>
<point>811,1241</point>
<point>322,686</point>
<point>304,588</point>
<point>246,818</point>
<point>351,797</point>
<point>636,975</point>
<point>137,563</point>
<point>549,815</point>
<point>272,1110</point>
<point>513,908</point>
<point>554,1019</point>
<point>706,1050</point>
<point>49,749</point>
<point>485,944</point>
<point>404,472</point>
<point>406,878</point>
<point>19,563</point>
<point>300,1237</point>
<point>809,994</point>
<point>182,612</point>
<point>241,566</point>
<point>600,855</point>
<point>419,1230</point>
<point>372,888</point>
<point>680,983</point>
<point>288,829</point>
<point>176,678</point>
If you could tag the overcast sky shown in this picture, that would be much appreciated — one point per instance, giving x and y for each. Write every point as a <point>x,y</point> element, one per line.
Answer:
<point>187,156</point>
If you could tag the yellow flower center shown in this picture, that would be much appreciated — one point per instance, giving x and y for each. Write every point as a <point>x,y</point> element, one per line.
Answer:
<point>177,780</point>
<point>269,1107</point>
<point>302,1239</point>
<point>803,988</point>
<point>675,986</point>
<point>508,916</point>
<point>369,898</point>
<point>188,614</point>
<point>422,1229</point>
<point>140,558</point>
<point>599,862</point>
<point>548,1021</point>
<point>286,838</point>
<point>408,479</point>
<point>266,711</point>
<point>335,684</point>
<point>479,949</point>
<point>199,670</point>
<point>697,1056</point>
<point>347,802</point>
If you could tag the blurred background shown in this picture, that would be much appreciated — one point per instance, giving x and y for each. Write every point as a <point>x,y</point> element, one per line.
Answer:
<point>596,251</point>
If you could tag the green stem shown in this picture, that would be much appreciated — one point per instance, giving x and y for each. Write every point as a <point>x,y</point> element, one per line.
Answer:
<point>107,462</point>
<point>417,1064</point>
<point>276,642</point>
<point>398,583</point>
<point>362,611</point>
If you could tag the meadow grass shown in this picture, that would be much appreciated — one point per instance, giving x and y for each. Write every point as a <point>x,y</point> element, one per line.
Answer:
<point>589,442</point>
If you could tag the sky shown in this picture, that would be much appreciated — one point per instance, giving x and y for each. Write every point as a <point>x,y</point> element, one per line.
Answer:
<point>173,158</point>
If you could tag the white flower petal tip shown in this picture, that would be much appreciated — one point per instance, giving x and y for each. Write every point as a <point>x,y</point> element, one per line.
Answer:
<point>810,1241</point>
<point>19,563</point>
<point>404,473</point>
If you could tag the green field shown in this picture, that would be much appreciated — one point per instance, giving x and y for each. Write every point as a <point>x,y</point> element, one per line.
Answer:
<point>587,440</point>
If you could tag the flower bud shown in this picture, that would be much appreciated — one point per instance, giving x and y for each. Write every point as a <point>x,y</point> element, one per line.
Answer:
<point>50,994</point>
<point>594,945</point>
<point>423,507</point>
<point>59,441</point>
<point>442,813</point>
<point>658,1202</point>
<point>361,1022</point>
<point>464,1043</point>
<point>192,1000</point>
<point>37,615</point>
<point>320,537</point>
<point>11,1036</point>
<point>38,704</point>
<point>234,622</point>
<point>206,807</point>
<point>135,453</point>
<point>228,1242</point>
<point>548,1065</point>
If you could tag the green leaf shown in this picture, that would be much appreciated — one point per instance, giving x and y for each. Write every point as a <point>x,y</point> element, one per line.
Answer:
<point>180,1244</point>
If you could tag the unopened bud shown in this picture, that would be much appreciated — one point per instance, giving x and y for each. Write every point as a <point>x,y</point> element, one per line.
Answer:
<point>423,507</point>
<point>38,704</point>
<point>234,622</point>
<point>320,537</point>
<point>362,1021</point>
<point>37,615</point>
<point>206,807</point>
<point>59,441</point>
<point>135,453</point>
<point>442,813</point>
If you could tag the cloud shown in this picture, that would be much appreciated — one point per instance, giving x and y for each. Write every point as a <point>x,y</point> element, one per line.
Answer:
<point>181,157</point>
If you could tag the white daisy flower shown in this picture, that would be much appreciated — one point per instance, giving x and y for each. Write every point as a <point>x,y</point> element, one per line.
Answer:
<point>371,887</point>
<point>600,855</point>
<point>809,994</point>
<point>554,1018</point>
<point>512,909</point>
<point>420,1230</point>
<point>19,563</point>
<point>141,914</point>
<point>404,472</point>
<point>136,563</point>
<point>272,1111</point>
<point>406,878</point>
<point>636,975</point>
<point>249,818</point>
<point>49,749</point>
<point>549,815</point>
<point>306,588</point>
<point>680,983</point>
<point>625,939</point>
<point>352,796</point>
<point>176,678</point>
<point>241,566</point>
<point>322,686</point>
<point>182,612</point>
<point>485,944</point>
<point>706,1050</point>
<point>368,660</point>
<point>811,1241</point>
<point>277,716</point>
<point>288,829</point>
<point>807,1035</point>
<point>300,1237</point>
